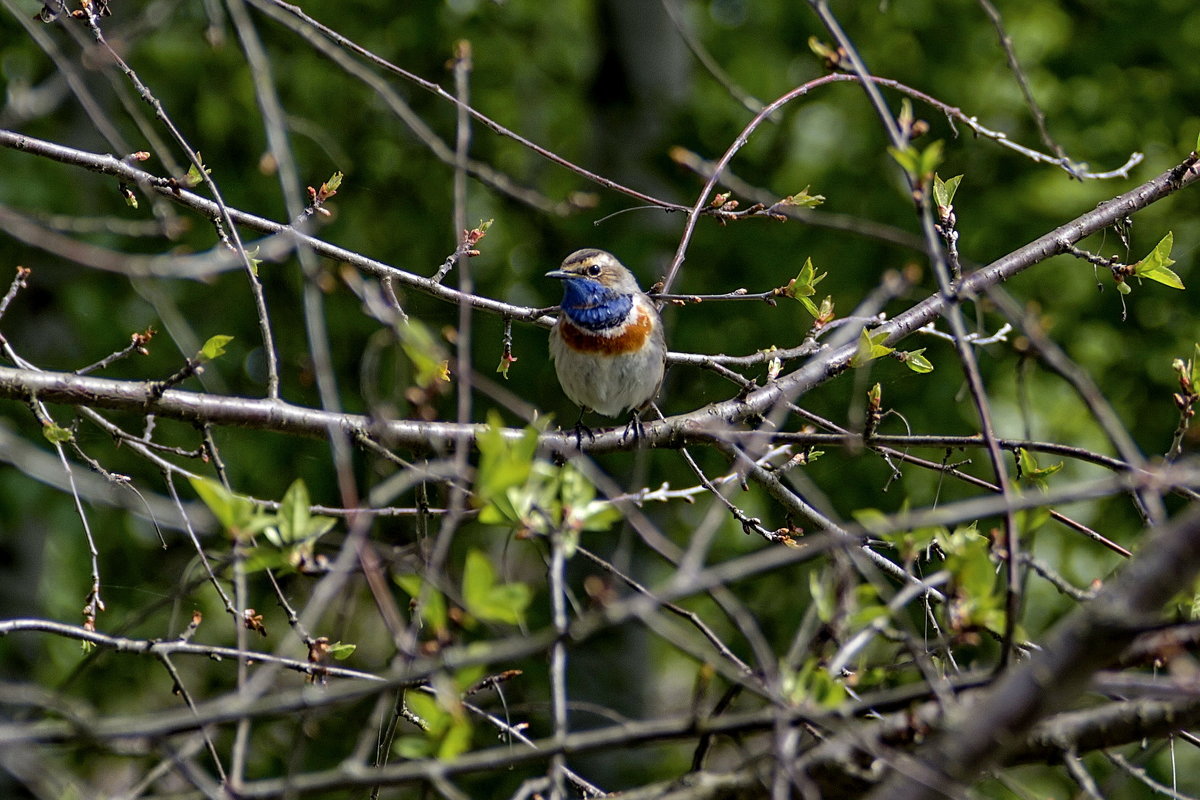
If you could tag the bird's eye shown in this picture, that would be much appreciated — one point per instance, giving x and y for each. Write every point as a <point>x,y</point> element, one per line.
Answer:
<point>594,270</point>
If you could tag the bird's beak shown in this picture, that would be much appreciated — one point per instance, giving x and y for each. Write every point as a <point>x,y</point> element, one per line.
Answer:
<point>560,274</point>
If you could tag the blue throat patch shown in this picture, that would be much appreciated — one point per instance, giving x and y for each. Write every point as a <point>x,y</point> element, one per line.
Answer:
<point>592,306</point>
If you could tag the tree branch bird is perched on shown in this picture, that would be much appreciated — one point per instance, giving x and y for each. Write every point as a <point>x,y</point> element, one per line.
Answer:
<point>607,345</point>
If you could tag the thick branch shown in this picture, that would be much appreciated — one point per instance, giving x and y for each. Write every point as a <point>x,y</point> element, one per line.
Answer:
<point>1087,641</point>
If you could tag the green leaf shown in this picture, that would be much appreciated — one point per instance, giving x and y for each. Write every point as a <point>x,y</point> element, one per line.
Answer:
<point>1030,520</point>
<point>597,515</point>
<point>515,489</point>
<point>318,526</point>
<point>956,541</point>
<point>486,600</point>
<point>428,359</point>
<point>1026,460</point>
<point>906,158</point>
<point>507,603</point>
<point>239,516</point>
<point>295,522</point>
<point>874,521</point>
<point>1154,267</point>
<point>813,684</point>
<point>456,741</point>
<point>804,286</point>
<point>803,199</point>
<point>867,606</point>
<point>194,177</point>
<point>220,501</point>
<point>467,677</point>
<point>809,279</point>
<point>931,156</point>
<point>414,748</point>
<point>293,512</point>
<point>214,347</point>
<point>583,512</point>
<point>56,434</point>
<point>261,557</point>
<point>911,544</point>
<point>447,730</point>
<point>906,116</point>
<point>334,183</point>
<point>292,532</point>
<point>340,651</point>
<point>1032,472</point>
<point>431,712</point>
<point>574,487</point>
<point>870,347</point>
<point>974,570</point>
<point>977,599</point>
<point>506,361</point>
<point>943,191</point>
<point>822,594</point>
<point>432,608</point>
<point>504,465</point>
<point>251,256</point>
<point>825,311</point>
<point>917,362</point>
<point>919,164</point>
<point>822,50</point>
<point>1186,603</point>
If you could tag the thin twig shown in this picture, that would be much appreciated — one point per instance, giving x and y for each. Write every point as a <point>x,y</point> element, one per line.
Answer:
<point>748,101</point>
<point>952,312</point>
<point>230,230</point>
<point>1014,66</point>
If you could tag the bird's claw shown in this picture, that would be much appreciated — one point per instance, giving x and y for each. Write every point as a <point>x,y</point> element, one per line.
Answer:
<point>580,430</point>
<point>635,427</point>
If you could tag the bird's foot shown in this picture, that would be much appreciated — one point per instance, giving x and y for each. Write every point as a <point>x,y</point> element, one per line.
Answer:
<point>580,430</point>
<point>635,428</point>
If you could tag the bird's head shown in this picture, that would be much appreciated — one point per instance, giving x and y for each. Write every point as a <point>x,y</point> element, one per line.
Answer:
<point>598,292</point>
<point>598,268</point>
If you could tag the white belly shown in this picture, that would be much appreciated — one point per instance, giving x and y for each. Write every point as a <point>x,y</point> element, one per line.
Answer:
<point>607,384</point>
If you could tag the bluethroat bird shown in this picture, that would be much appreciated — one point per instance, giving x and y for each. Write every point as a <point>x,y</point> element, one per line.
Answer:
<point>607,345</point>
